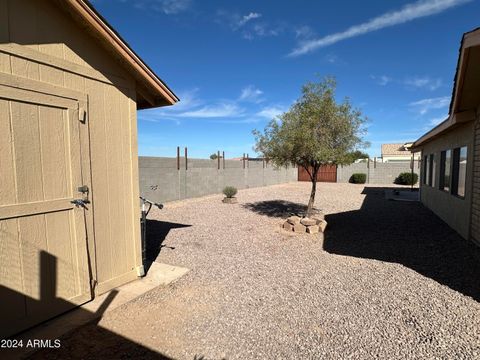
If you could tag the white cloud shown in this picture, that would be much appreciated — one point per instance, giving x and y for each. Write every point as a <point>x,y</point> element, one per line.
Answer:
<point>248,25</point>
<point>260,30</point>
<point>166,6</point>
<point>304,32</point>
<point>382,80</point>
<point>271,112</point>
<point>408,13</point>
<point>425,105</point>
<point>333,59</point>
<point>437,120</point>
<point>244,109</point>
<point>174,6</point>
<point>247,18</point>
<point>423,82</point>
<point>214,111</point>
<point>188,99</point>
<point>191,106</point>
<point>416,82</point>
<point>252,94</point>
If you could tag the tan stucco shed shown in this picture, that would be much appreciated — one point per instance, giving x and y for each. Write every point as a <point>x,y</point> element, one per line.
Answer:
<point>69,212</point>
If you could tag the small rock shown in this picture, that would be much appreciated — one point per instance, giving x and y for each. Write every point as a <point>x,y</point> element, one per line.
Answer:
<point>314,229</point>
<point>308,221</point>
<point>318,216</point>
<point>293,220</point>
<point>228,200</point>
<point>287,226</point>
<point>299,228</point>
<point>322,225</point>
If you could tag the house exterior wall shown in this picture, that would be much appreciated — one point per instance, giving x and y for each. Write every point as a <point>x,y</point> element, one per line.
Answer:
<point>41,42</point>
<point>455,211</point>
<point>475,210</point>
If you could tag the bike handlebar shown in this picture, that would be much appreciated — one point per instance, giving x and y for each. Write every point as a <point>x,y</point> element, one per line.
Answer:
<point>160,206</point>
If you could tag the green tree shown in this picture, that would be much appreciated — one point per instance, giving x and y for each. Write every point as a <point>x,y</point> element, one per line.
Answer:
<point>214,156</point>
<point>357,154</point>
<point>315,131</point>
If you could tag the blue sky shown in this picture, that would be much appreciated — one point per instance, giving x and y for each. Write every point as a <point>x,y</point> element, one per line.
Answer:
<point>237,64</point>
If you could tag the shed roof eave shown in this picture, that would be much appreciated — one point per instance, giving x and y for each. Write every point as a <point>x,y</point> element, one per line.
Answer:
<point>158,90</point>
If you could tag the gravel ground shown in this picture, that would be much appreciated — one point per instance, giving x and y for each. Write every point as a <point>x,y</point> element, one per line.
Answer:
<point>389,281</point>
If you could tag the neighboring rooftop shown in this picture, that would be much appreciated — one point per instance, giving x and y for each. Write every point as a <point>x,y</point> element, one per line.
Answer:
<point>396,149</point>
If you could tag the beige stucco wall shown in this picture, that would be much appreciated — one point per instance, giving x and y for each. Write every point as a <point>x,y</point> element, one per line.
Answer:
<point>41,42</point>
<point>455,211</point>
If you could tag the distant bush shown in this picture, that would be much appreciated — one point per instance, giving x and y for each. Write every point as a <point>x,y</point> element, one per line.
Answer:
<point>358,178</point>
<point>406,178</point>
<point>230,191</point>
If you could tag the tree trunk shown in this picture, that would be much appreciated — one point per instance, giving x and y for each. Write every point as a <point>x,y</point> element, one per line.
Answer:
<point>312,193</point>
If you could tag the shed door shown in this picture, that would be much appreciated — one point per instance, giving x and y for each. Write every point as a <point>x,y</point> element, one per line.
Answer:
<point>43,253</point>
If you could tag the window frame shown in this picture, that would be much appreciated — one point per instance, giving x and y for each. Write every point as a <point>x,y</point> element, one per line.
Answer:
<point>431,170</point>
<point>443,168</point>
<point>425,169</point>
<point>455,174</point>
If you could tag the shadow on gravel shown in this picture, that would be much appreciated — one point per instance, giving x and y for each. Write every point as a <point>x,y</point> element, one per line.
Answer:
<point>276,208</point>
<point>409,234</point>
<point>157,231</point>
<point>90,341</point>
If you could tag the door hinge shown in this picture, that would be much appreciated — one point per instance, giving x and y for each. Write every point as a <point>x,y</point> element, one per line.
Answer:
<point>82,115</point>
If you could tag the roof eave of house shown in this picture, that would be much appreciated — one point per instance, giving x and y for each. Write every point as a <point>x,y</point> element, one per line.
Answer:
<point>159,93</point>
<point>447,125</point>
<point>437,130</point>
<point>469,39</point>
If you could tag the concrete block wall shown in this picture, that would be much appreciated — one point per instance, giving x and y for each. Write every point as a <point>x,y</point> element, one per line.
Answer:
<point>160,181</point>
<point>345,172</point>
<point>379,173</point>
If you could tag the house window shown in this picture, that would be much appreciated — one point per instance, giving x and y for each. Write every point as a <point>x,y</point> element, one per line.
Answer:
<point>432,170</point>
<point>459,171</point>
<point>445,165</point>
<point>426,168</point>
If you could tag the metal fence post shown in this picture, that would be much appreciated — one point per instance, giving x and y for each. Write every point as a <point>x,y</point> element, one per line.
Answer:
<point>186,158</point>
<point>178,157</point>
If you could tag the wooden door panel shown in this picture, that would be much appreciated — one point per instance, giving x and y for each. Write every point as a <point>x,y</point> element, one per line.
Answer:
<point>7,173</point>
<point>27,156</point>
<point>11,287</point>
<point>43,258</point>
<point>326,173</point>
<point>54,136</point>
